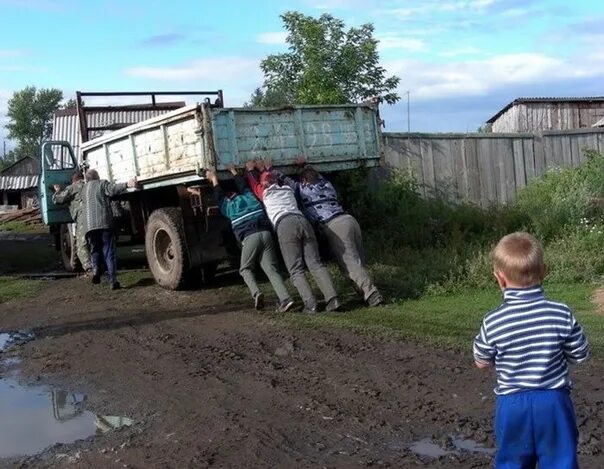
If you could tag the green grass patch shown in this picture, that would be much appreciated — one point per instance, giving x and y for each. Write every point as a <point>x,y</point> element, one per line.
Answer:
<point>17,226</point>
<point>452,320</point>
<point>14,289</point>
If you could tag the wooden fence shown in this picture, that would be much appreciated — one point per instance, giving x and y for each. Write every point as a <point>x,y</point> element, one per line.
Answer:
<point>485,169</point>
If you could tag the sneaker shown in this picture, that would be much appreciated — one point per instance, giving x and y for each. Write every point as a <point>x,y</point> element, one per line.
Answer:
<point>259,301</point>
<point>96,278</point>
<point>333,305</point>
<point>310,310</point>
<point>116,286</point>
<point>375,299</point>
<point>285,306</point>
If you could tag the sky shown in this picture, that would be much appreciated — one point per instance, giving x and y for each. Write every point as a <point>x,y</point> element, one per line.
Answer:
<point>459,61</point>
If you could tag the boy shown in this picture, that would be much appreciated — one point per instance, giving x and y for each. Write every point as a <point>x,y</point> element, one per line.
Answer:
<point>253,230</point>
<point>296,237</point>
<point>530,341</point>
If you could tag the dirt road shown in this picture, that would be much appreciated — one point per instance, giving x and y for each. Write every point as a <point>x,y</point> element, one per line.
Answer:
<point>212,384</point>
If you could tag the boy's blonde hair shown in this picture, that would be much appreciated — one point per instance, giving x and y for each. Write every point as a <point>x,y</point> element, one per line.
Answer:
<point>519,257</point>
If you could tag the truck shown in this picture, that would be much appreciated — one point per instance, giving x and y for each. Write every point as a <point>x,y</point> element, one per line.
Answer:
<point>185,237</point>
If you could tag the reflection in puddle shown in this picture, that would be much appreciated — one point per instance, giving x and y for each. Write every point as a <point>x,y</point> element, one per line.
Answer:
<point>8,339</point>
<point>427,448</point>
<point>33,418</point>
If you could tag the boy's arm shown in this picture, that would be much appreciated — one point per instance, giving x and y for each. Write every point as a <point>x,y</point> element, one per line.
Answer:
<point>576,346</point>
<point>484,352</point>
<point>254,183</point>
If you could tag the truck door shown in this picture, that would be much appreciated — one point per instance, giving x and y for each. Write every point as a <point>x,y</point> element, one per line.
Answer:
<point>58,164</point>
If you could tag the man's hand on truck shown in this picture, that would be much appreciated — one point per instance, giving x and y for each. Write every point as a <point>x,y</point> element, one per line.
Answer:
<point>250,165</point>
<point>132,183</point>
<point>232,169</point>
<point>211,175</point>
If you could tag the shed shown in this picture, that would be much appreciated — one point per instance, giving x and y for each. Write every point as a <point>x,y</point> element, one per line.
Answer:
<point>540,114</point>
<point>19,184</point>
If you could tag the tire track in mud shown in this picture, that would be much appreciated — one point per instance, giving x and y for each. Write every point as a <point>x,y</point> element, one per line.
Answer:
<point>214,385</point>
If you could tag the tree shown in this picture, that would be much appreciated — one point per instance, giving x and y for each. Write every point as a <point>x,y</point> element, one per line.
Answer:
<point>30,112</point>
<point>324,65</point>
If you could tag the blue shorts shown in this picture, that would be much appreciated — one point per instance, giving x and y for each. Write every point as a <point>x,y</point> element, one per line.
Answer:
<point>536,427</point>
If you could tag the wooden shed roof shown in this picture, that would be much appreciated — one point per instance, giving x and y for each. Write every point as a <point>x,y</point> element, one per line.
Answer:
<point>584,99</point>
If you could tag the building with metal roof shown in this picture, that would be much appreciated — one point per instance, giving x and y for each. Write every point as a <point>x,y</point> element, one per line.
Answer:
<point>539,114</point>
<point>19,184</point>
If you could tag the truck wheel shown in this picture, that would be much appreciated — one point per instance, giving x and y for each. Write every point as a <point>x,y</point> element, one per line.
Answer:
<point>68,253</point>
<point>166,249</point>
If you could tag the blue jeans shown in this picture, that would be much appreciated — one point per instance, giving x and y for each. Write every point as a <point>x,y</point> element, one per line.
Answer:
<point>536,427</point>
<point>102,250</point>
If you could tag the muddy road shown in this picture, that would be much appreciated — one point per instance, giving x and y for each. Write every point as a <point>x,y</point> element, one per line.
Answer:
<point>210,383</point>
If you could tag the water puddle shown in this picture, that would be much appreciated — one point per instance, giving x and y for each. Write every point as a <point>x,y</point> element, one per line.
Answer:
<point>33,418</point>
<point>428,448</point>
<point>9,339</point>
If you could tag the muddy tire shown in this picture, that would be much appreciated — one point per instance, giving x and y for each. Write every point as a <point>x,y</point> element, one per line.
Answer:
<point>166,248</point>
<point>68,253</point>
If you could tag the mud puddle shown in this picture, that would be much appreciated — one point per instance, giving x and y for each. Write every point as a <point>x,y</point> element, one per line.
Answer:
<point>33,418</point>
<point>430,449</point>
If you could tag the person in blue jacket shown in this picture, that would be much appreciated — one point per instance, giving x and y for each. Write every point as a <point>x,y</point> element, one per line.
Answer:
<point>252,229</point>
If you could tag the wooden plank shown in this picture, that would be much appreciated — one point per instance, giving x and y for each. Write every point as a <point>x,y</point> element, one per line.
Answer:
<point>414,155</point>
<point>428,166</point>
<point>486,170</point>
<point>458,169</point>
<point>519,164</point>
<point>565,149</point>
<point>443,171</point>
<point>509,172</point>
<point>528,150</point>
<point>539,154</point>
<point>474,190</point>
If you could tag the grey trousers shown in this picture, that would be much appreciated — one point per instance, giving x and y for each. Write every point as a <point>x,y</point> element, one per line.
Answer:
<point>299,247</point>
<point>260,248</point>
<point>81,246</point>
<point>343,234</point>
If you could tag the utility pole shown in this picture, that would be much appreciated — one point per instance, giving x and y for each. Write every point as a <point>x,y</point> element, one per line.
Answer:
<point>408,112</point>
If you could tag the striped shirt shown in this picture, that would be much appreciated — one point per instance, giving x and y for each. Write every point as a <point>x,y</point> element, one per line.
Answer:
<point>530,340</point>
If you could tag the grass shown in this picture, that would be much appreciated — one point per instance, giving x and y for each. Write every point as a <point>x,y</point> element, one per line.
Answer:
<point>17,226</point>
<point>14,289</point>
<point>452,320</point>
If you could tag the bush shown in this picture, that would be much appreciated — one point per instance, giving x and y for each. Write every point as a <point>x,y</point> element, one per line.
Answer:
<point>416,244</point>
<point>563,197</point>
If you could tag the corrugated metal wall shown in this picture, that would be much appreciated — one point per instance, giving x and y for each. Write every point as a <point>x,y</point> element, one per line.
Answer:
<point>66,126</point>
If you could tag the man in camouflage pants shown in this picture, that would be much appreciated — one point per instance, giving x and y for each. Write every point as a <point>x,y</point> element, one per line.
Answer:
<point>72,195</point>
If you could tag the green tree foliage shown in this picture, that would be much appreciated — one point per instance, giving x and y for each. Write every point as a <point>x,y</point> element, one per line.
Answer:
<point>325,64</point>
<point>30,111</point>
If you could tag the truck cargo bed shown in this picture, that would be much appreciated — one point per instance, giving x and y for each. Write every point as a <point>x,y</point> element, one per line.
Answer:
<point>178,146</point>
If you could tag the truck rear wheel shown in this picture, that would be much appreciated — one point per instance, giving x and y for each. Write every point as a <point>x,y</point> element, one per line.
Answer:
<point>68,253</point>
<point>166,248</point>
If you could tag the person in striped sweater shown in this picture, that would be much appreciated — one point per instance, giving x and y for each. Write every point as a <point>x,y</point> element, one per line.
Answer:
<point>253,230</point>
<point>530,340</point>
<point>295,234</point>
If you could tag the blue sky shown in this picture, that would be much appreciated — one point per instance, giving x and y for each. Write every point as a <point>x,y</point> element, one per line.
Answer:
<point>461,60</point>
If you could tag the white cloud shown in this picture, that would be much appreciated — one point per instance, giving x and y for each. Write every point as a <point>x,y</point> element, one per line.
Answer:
<point>215,68</point>
<point>272,38</point>
<point>237,76</point>
<point>470,50</point>
<point>431,81</point>
<point>391,41</point>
